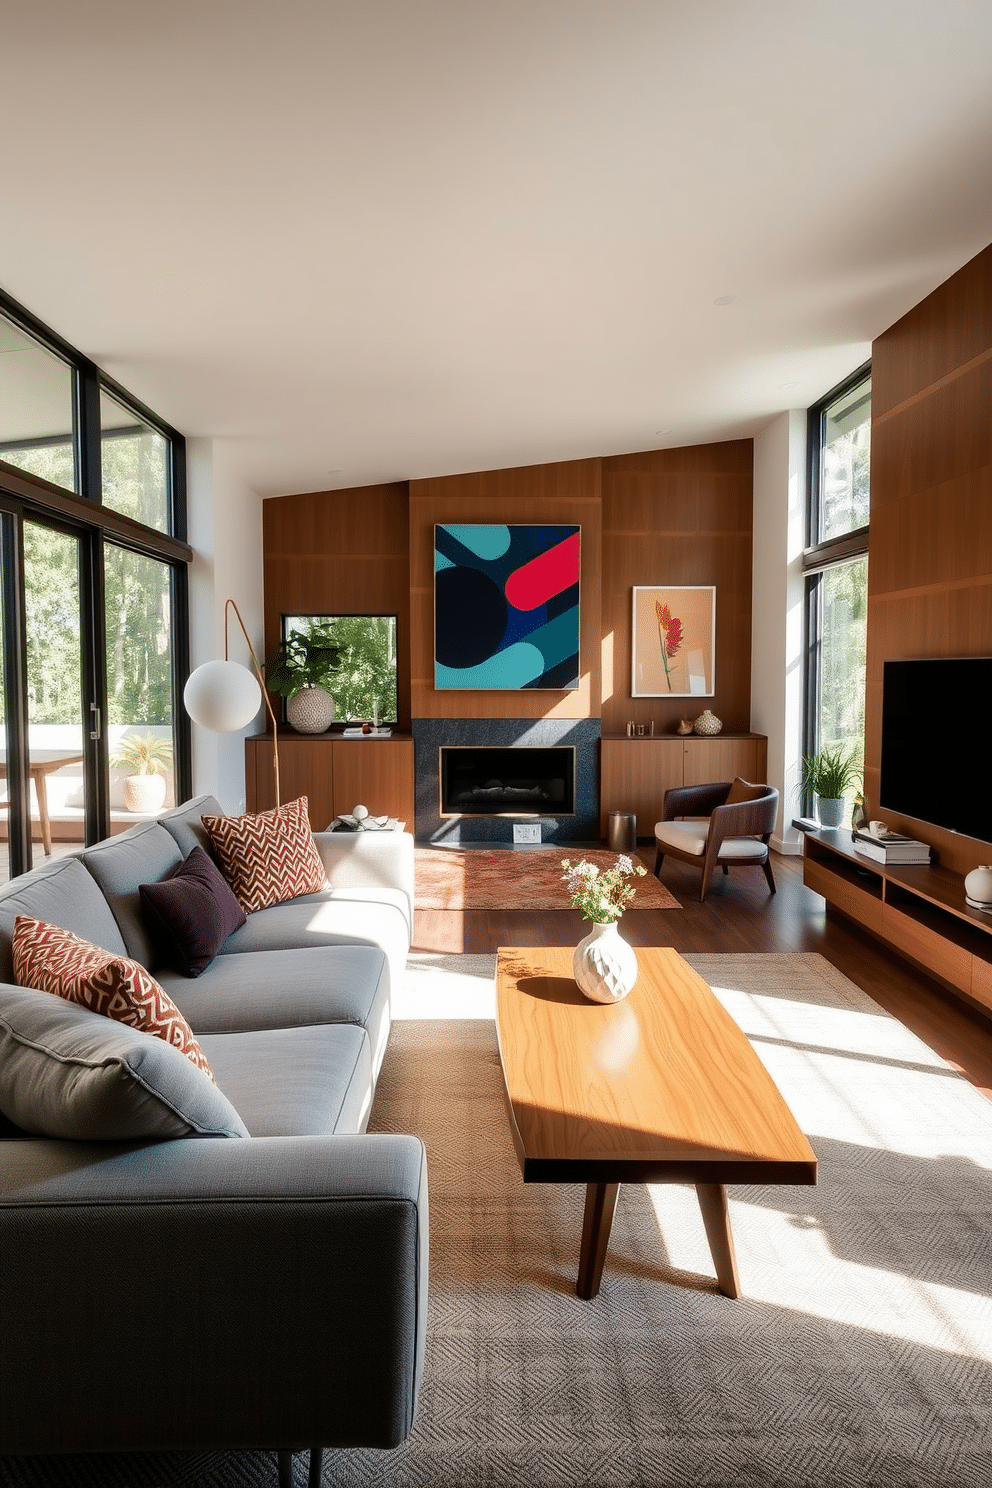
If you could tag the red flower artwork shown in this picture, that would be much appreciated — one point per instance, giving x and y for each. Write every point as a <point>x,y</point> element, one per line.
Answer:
<point>669,636</point>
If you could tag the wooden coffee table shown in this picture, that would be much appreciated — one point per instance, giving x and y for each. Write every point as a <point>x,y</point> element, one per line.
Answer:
<point>662,1087</point>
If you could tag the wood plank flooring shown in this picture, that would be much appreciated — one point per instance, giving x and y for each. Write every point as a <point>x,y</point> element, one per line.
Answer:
<point>740,915</point>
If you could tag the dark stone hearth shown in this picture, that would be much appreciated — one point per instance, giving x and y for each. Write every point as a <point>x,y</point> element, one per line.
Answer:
<point>542,738</point>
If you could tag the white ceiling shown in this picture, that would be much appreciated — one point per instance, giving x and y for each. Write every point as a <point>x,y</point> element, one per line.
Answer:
<point>370,241</point>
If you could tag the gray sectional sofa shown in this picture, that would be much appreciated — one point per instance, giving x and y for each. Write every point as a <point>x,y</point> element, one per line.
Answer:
<point>251,1270</point>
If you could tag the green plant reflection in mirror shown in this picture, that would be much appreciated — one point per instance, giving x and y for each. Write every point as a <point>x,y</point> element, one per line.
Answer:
<point>367,668</point>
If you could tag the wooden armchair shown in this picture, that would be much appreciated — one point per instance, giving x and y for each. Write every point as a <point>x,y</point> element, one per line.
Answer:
<point>740,820</point>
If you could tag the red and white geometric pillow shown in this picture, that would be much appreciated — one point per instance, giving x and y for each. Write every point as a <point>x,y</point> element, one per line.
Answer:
<point>51,959</point>
<point>270,857</point>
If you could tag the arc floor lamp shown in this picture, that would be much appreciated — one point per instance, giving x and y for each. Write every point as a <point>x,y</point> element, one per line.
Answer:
<point>223,696</point>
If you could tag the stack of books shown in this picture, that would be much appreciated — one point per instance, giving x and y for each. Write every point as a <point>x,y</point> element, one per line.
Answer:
<point>892,848</point>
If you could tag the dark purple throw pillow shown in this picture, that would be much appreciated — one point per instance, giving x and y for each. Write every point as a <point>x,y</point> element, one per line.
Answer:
<point>191,914</point>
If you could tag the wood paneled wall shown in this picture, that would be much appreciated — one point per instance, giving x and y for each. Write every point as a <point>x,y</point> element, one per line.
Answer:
<point>566,492</point>
<point>340,553</point>
<point>930,562</point>
<point>681,516</point>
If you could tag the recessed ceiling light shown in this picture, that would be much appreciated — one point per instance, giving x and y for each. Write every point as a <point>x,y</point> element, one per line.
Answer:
<point>723,300</point>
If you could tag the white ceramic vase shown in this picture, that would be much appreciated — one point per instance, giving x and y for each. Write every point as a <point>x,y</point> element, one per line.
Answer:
<point>604,965</point>
<point>978,887</point>
<point>144,793</point>
<point>310,711</point>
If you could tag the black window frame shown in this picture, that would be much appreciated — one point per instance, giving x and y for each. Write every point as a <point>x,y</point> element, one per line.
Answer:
<point>25,495</point>
<point>820,555</point>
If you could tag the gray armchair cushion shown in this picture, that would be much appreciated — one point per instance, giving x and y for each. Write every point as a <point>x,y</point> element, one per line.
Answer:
<point>119,864</point>
<point>60,893</point>
<point>68,1072</point>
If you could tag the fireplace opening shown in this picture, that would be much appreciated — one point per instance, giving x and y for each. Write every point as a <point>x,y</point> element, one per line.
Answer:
<point>523,780</point>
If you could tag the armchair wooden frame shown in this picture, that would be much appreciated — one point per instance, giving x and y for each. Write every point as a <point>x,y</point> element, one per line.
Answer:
<point>736,825</point>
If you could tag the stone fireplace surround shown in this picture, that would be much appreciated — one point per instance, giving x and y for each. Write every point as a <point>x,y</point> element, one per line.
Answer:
<point>429,734</point>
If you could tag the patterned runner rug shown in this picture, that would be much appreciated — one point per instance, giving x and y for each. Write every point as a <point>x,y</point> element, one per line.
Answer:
<point>859,1356</point>
<point>497,878</point>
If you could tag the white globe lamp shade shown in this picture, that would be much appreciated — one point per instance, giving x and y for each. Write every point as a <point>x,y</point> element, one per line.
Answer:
<point>222,696</point>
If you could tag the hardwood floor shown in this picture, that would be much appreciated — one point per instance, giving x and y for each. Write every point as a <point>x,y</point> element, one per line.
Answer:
<point>740,915</point>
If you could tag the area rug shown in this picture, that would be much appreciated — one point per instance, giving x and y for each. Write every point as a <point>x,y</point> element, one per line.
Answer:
<point>497,878</point>
<point>860,1355</point>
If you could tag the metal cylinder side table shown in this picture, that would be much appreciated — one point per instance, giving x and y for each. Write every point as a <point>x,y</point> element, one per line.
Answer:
<point>621,831</point>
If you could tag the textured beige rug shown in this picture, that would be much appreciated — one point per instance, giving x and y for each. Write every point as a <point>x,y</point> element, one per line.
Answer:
<point>860,1354</point>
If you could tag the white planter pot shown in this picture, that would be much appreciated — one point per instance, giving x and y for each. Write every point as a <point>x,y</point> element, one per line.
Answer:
<point>144,793</point>
<point>604,965</point>
<point>830,810</point>
<point>310,711</point>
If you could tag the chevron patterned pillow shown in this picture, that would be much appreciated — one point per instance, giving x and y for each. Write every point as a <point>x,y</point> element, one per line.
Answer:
<point>269,857</point>
<point>50,959</point>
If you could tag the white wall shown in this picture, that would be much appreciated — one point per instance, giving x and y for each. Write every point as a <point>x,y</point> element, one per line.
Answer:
<point>777,609</point>
<point>225,532</point>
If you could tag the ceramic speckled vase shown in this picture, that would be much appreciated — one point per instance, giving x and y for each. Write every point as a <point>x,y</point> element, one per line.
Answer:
<point>830,810</point>
<point>310,711</point>
<point>604,965</point>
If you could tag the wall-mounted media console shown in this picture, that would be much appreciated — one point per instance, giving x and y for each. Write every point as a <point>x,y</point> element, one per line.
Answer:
<point>920,911</point>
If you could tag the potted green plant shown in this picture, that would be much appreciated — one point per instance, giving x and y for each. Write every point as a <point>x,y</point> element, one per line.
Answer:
<point>299,671</point>
<point>146,757</point>
<point>826,775</point>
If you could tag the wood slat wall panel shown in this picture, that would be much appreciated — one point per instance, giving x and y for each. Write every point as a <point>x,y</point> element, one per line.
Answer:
<point>679,517</point>
<point>340,553</point>
<point>567,492</point>
<point>930,565</point>
<point>944,332</point>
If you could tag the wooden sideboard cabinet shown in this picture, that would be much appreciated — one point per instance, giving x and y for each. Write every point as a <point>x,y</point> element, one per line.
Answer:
<point>635,773</point>
<point>918,910</point>
<point>334,774</point>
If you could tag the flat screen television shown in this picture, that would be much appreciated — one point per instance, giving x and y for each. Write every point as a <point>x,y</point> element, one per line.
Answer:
<point>937,743</point>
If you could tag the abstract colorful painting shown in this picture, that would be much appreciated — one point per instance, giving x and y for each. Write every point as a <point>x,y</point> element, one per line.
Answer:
<point>674,642</point>
<point>506,607</point>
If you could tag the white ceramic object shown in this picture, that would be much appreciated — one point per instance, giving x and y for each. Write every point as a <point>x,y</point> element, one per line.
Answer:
<point>707,723</point>
<point>978,887</point>
<point>604,965</point>
<point>830,810</point>
<point>144,793</point>
<point>310,711</point>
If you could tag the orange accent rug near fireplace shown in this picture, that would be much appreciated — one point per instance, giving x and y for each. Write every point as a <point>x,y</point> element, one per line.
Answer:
<point>501,878</point>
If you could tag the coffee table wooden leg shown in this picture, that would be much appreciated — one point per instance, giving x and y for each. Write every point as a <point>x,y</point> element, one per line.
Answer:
<point>716,1217</point>
<point>601,1203</point>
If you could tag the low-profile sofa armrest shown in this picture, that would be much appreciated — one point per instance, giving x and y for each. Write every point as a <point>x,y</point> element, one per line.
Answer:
<point>267,1292</point>
<point>368,860</point>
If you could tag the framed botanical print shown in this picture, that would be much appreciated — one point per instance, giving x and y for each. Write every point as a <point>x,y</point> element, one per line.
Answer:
<point>674,641</point>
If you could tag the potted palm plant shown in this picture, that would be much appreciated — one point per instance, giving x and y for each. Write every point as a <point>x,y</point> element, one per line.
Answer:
<point>146,757</point>
<point>826,775</point>
<point>299,671</point>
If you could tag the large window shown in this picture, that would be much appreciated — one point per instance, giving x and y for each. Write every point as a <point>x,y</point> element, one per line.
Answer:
<point>836,567</point>
<point>93,578</point>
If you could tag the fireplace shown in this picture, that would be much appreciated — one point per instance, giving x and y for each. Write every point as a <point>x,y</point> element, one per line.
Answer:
<point>519,780</point>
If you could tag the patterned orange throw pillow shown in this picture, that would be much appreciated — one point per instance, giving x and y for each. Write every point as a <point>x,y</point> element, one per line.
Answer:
<point>50,959</point>
<point>269,857</point>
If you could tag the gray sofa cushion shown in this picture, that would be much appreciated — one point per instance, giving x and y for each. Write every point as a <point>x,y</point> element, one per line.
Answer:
<point>119,864</point>
<point>61,893</point>
<point>185,825</point>
<point>288,989</point>
<point>338,917</point>
<point>67,1072</point>
<point>296,1082</point>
